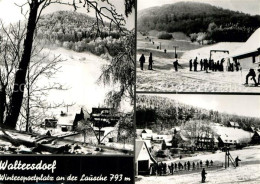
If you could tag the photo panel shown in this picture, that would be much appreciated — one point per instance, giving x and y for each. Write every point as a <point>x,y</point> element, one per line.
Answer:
<point>198,46</point>
<point>194,138</point>
<point>67,75</point>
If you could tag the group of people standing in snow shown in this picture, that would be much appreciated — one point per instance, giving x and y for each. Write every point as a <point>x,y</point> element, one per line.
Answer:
<point>163,168</point>
<point>206,65</point>
<point>150,60</point>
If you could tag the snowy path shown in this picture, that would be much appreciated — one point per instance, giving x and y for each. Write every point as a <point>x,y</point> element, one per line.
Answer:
<point>247,172</point>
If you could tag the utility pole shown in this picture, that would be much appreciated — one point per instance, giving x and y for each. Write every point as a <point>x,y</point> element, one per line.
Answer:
<point>175,51</point>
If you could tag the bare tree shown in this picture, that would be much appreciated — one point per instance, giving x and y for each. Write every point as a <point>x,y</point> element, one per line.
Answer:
<point>42,66</point>
<point>94,129</point>
<point>198,131</point>
<point>124,128</point>
<point>11,50</point>
<point>120,72</point>
<point>34,106</point>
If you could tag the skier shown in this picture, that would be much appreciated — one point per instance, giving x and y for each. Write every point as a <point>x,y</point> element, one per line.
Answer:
<point>237,160</point>
<point>193,165</point>
<point>179,166</point>
<point>188,165</point>
<point>150,66</point>
<point>142,61</point>
<point>251,74</point>
<point>201,163</point>
<point>218,66</point>
<point>160,168</point>
<point>175,65</point>
<point>164,168</point>
<point>195,63</point>
<point>190,64</point>
<point>203,175</point>
<point>201,65</point>
<point>222,64</point>
<point>210,64</point>
<point>207,163</point>
<point>175,166</point>
<point>206,65</point>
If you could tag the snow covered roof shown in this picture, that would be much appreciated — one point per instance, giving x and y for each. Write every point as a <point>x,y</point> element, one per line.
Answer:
<point>234,124</point>
<point>148,136</point>
<point>177,128</point>
<point>138,131</point>
<point>161,137</point>
<point>183,137</point>
<point>139,145</point>
<point>66,120</point>
<point>148,131</point>
<point>231,135</point>
<point>258,132</point>
<point>148,143</point>
<point>251,45</point>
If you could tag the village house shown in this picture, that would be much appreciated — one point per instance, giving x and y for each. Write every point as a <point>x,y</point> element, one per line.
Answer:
<point>232,136</point>
<point>65,121</point>
<point>143,158</point>
<point>146,134</point>
<point>103,117</point>
<point>256,138</point>
<point>248,55</point>
<point>233,124</point>
<point>68,121</point>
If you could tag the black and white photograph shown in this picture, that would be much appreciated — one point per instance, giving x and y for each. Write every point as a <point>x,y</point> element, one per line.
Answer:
<point>198,46</point>
<point>67,77</point>
<point>194,138</point>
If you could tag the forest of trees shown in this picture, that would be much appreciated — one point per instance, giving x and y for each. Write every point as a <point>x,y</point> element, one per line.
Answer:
<point>75,31</point>
<point>192,18</point>
<point>150,113</point>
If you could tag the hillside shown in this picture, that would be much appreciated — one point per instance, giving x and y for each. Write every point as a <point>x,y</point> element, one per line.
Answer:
<point>192,17</point>
<point>78,32</point>
<point>150,113</point>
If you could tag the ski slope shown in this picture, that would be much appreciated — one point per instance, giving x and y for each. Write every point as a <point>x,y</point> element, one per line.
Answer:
<point>247,172</point>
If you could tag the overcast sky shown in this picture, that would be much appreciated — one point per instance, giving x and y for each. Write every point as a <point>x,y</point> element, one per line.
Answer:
<point>10,13</point>
<point>247,6</point>
<point>246,105</point>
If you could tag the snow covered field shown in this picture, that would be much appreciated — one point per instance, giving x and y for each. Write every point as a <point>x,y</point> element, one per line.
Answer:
<point>164,78</point>
<point>247,172</point>
<point>78,74</point>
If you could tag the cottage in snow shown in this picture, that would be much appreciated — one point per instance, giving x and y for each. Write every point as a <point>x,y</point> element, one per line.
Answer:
<point>248,54</point>
<point>143,157</point>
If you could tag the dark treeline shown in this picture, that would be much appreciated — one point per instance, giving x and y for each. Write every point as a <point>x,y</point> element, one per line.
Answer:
<point>190,17</point>
<point>160,113</point>
<point>77,31</point>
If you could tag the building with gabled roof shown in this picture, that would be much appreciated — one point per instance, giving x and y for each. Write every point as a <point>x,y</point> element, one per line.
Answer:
<point>232,136</point>
<point>143,157</point>
<point>248,54</point>
<point>233,124</point>
<point>256,138</point>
